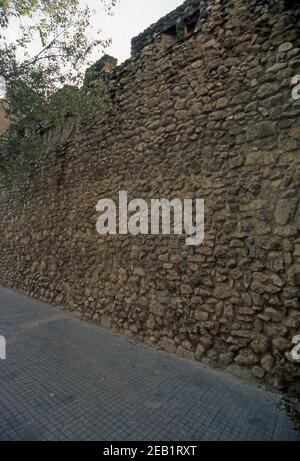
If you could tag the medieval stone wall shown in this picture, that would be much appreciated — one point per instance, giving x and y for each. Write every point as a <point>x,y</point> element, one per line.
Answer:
<point>211,117</point>
<point>188,8</point>
<point>3,121</point>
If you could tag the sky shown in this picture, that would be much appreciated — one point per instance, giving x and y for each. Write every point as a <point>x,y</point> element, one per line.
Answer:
<point>131,17</point>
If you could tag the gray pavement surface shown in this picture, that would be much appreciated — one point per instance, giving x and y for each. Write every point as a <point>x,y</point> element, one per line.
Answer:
<point>65,379</point>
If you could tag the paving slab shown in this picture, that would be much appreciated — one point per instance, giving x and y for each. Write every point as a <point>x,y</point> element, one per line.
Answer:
<point>66,379</point>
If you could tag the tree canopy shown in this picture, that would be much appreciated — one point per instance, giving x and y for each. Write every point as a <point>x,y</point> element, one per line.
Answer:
<point>43,67</point>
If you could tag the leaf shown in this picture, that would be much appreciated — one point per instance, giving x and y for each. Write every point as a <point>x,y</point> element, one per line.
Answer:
<point>42,37</point>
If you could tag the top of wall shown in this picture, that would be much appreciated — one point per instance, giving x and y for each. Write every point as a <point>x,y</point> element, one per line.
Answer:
<point>187,9</point>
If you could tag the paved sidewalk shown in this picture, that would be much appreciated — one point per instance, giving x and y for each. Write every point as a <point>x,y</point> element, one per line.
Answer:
<point>64,379</point>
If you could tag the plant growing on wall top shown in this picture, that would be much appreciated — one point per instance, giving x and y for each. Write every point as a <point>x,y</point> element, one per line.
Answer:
<point>43,70</point>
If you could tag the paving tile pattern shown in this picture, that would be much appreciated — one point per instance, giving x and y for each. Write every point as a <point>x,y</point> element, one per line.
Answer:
<point>64,379</point>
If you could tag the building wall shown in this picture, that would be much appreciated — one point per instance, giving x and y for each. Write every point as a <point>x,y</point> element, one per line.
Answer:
<point>210,117</point>
<point>3,121</point>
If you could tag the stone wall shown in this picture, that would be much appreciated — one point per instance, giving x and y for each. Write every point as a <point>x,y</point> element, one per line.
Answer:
<point>3,121</point>
<point>210,117</point>
<point>171,20</point>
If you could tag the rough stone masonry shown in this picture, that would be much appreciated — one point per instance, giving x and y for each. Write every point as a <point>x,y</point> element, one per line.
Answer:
<point>202,109</point>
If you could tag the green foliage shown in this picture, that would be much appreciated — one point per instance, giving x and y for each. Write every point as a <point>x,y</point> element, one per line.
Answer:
<point>180,31</point>
<point>22,144</point>
<point>90,74</point>
<point>45,88</point>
